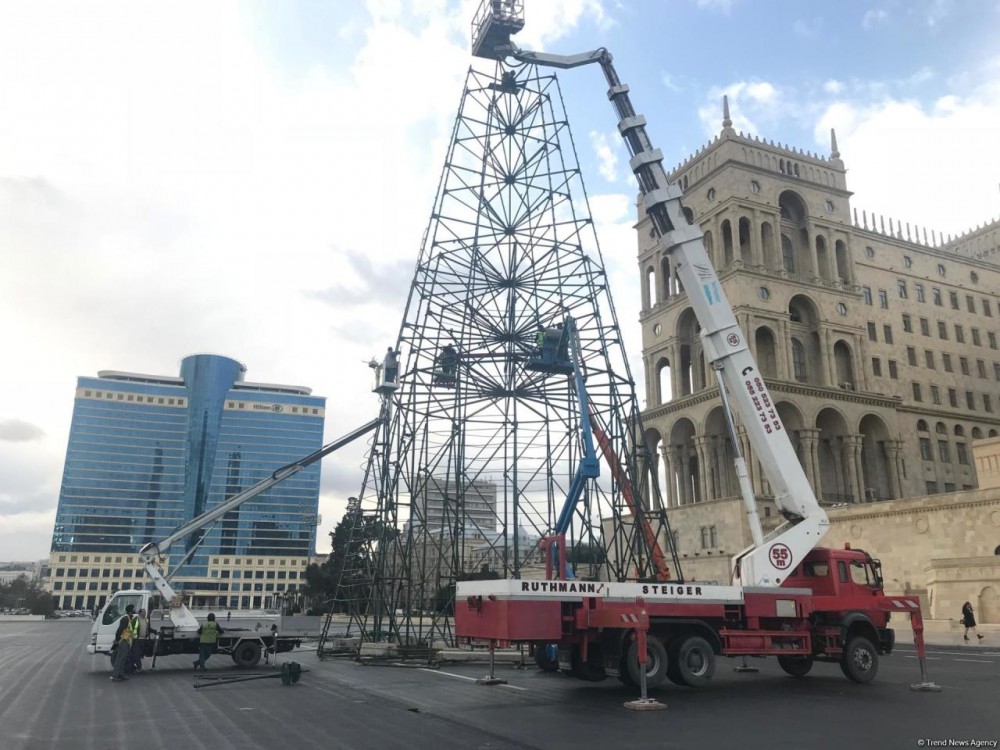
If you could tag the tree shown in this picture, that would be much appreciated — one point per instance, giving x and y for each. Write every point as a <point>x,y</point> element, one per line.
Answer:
<point>29,594</point>
<point>348,572</point>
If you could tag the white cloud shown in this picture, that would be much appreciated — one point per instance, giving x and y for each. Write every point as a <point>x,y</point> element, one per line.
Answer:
<point>670,82</point>
<point>604,148</point>
<point>165,189</point>
<point>913,163</point>
<point>833,87</point>
<point>550,21</point>
<point>873,18</point>
<point>750,103</point>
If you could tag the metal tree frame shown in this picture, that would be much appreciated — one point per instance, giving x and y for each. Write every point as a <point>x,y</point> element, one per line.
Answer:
<point>510,247</point>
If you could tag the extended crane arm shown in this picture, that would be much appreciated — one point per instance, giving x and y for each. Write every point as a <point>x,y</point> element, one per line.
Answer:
<point>724,344</point>
<point>180,615</point>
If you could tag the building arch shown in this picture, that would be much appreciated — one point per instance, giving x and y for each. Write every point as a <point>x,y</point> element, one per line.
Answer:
<point>822,259</point>
<point>746,252</point>
<point>803,328</point>
<point>720,476</point>
<point>664,384</point>
<point>689,347</point>
<point>843,262</point>
<point>649,287</point>
<point>989,605</point>
<point>684,463</point>
<point>876,468</point>
<point>770,259</point>
<point>767,352</point>
<point>843,364</point>
<point>833,453</point>
<point>727,243</point>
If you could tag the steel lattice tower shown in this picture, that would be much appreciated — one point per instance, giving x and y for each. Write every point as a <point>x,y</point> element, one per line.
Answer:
<point>510,246</point>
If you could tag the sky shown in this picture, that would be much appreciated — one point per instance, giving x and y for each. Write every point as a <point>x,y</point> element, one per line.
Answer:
<point>253,179</point>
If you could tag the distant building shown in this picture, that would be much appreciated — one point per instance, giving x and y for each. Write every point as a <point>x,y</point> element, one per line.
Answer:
<point>147,453</point>
<point>471,505</point>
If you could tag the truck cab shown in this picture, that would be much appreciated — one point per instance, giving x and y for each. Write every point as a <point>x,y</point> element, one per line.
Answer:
<point>102,632</point>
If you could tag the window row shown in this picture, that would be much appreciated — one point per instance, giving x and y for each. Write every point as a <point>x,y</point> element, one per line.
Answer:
<point>930,360</point>
<point>971,400</point>
<point>925,329</point>
<point>937,296</point>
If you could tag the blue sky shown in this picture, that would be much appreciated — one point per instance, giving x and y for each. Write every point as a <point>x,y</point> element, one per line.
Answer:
<point>225,176</point>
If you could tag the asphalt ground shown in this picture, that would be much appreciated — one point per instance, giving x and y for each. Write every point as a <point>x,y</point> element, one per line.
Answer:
<point>55,695</point>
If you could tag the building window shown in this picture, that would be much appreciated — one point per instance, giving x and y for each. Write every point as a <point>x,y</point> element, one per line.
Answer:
<point>787,254</point>
<point>919,288</point>
<point>798,360</point>
<point>901,286</point>
<point>893,370</point>
<point>981,368</point>
<point>936,394</point>
<point>907,324</point>
<point>953,300</point>
<point>911,356</point>
<point>943,453</point>
<point>929,358</point>
<point>962,453</point>
<point>936,294</point>
<point>754,186</point>
<point>996,370</point>
<point>925,327</point>
<point>959,334</point>
<point>877,367</point>
<point>970,303</point>
<point>925,449</point>
<point>970,401</point>
<point>942,330</point>
<point>963,365</point>
<point>869,252</point>
<point>829,203</point>
<point>842,308</point>
<point>987,308</point>
<point>872,332</point>
<point>931,488</point>
<point>711,194</point>
<point>940,269</point>
<point>991,339</point>
<point>946,361</point>
<point>908,261</point>
<point>867,292</point>
<point>917,395</point>
<point>953,398</point>
<point>887,334</point>
<point>987,403</point>
<point>883,299</point>
<point>976,341</point>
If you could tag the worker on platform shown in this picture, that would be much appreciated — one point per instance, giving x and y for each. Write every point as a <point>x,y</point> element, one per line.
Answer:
<point>123,645</point>
<point>540,339</point>
<point>208,634</point>
<point>390,365</point>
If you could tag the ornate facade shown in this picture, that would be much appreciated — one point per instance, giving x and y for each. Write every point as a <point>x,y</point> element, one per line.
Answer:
<point>879,343</point>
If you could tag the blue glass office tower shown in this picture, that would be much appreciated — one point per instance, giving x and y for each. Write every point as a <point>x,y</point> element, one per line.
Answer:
<point>147,453</point>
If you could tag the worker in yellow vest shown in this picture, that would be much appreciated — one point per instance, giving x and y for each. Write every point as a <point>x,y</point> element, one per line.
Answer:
<point>124,637</point>
<point>208,634</point>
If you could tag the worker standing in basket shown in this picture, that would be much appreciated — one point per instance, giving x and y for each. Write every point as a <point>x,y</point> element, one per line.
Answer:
<point>208,634</point>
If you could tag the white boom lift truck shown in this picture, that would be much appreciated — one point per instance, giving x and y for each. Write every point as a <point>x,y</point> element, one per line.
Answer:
<point>245,639</point>
<point>788,597</point>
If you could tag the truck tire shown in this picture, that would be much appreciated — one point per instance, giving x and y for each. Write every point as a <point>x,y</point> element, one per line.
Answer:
<point>544,660</point>
<point>694,663</point>
<point>656,662</point>
<point>247,654</point>
<point>859,661</point>
<point>796,666</point>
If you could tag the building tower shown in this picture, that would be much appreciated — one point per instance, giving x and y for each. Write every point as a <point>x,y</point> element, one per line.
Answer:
<point>510,249</point>
<point>878,344</point>
<point>149,452</point>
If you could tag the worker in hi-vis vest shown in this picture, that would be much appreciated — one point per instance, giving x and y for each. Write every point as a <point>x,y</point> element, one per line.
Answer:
<point>123,644</point>
<point>209,634</point>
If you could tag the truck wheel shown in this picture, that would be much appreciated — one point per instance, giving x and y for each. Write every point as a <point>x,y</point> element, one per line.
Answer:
<point>247,654</point>
<point>796,666</point>
<point>656,662</point>
<point>860,660</point>
<point>544,660</point>
<point>695,662</point>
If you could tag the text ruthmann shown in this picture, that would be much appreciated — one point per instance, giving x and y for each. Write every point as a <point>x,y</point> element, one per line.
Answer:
<point>562,587</point>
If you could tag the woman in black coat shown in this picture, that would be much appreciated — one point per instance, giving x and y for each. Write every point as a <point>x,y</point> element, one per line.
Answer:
<point>969,621</point>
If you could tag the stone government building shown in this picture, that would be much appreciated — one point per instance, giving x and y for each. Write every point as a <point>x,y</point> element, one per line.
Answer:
<point>879,345</point>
